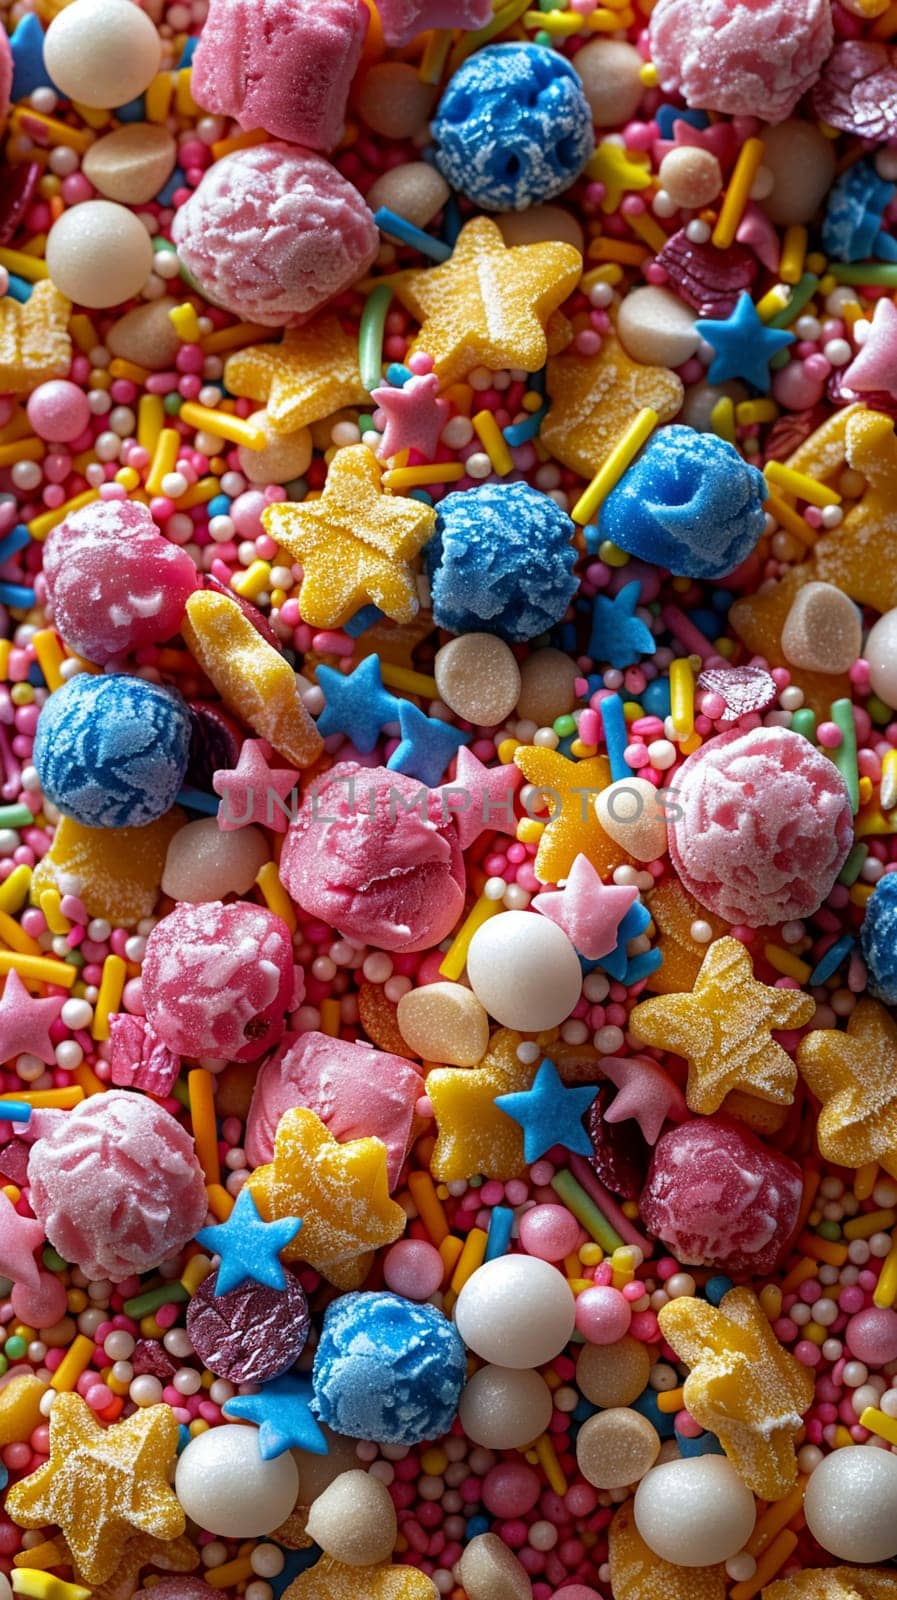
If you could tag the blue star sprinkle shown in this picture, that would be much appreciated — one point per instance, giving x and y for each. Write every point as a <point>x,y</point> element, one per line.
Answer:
<point>281,1411</point>
<point>616,962</point>
<point>28,70</point>
<point>427,745</point>
<point>357,705</point>
<point>743,344</point>
<point>550,1114</point>
<point>249,1248</point>
<point>618,635</point>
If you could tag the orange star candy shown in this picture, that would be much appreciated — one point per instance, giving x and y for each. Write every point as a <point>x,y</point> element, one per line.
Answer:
<point>172,1555</point>
<point>333,1580</point>
<point>594,399</point>
<point>355,543</point>
<point>724,1030</point>
<point>474,1136</point>
<point>835,1583</point>
<point>574,828</point>
<point>854,1074</point>
<point>308,376</point>
<point>488,305</point>
<point>34,339</point>
<point>339,1190</point>
<point>743,1385</point>
<point>101,1484</point>
<point>636,1573</point>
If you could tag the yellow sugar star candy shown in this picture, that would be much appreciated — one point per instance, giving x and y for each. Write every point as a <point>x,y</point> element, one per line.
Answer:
<point>854,1074</point>
<point>34,339</point>
<point>333,1580</point>
<point>101,1484</point>
<point>339,1190</point>
<point>595,398</point>
<point>119,870</point>
<point>308,376</point>
<point>474,1135</point>
<point>674,912</point>
<point>20,1411</point>
<point>724,1030</point>
<point>171,1555</point>
<point>636,1573</point>
<point>488,305</point>
<point>620,171</point>
<point>574,828</point>
<point>858,555</point>
<point>743,1385</point>
<point>255,682</point>
<point>835,1583</point>
<point>355,543</point>
<point>759,619</point>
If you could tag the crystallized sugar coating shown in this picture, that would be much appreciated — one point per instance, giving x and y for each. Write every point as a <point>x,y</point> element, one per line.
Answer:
<point>745,57</point>
<point>273,232</point>
<point>763,828</point>
<point>250,1334</point>
<point>114,583</point>
<point>281,65</point>
<point>878,939</point>
<point>117,1186</point>
<point>177,1589</point>
<point>218,979</point>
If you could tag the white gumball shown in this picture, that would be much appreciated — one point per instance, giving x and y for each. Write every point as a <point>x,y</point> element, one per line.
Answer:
<point>102,53</point>
<point>224,1485</point>
<point>851,1504</point>
<point>881,654</point>
<point>516,1311</point>
<point>524,970</point>
<point>695,1512</point>
<point>99,253</point>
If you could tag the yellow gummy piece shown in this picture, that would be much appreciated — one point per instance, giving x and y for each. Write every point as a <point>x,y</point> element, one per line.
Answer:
<point>474,1135</point>
<point>119,870</point>
<point>34,339</point>
<point>309,375</point>
<point>333,1580</point>
<point>636,1573</point>
<point>574,828</point>
<point>20,1411</point>
<point>594,399</point>
<point>44,1586</point>
<point>854,1074</point>
<point>835,1583</point>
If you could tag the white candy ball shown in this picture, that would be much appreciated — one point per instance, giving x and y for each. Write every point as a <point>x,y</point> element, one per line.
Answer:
<point>102,52</point>
<point>503,1408</point>
<point>851,1504</point>
<point>224,1485</point>
<point>524,970</point>
<point>99,253</point>
<point>881,654</point>
<point>696,1512</point>
<point>516,1311</point>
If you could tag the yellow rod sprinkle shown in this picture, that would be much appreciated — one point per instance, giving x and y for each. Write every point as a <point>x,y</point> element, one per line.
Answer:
<point>435,56</point>
<point>38,1585</point>
<point>670,1400</point>
<point>648,230</point>
<point>14,892</point>
<point>879,1422</point>
<point>722,419</point>
<point>429,1206</point>
<point>330,1018</point>
<point>150,421</point>
<point>774,301</point>
<point>611,470</point>
<point>201,1087</point>
<point>800,484</point>
<point>75,1361</point>
<point>120,368</point>
<point>237,337</point>
<point>769,1564</point>
<point>885,1291</point>
<point>224,424</point>
<point>13,934</point>
<point>23,119</point>
<point>83,332</point>
<point>865,1180</point>
<point>794,254</point>
<point>455,958</point>
<point>731,212</point>
<point>889,781</point>
<point>230,1573</point>
<point>682,697</point>
<point>786,962</point>
<point>870,1222</point>
<point>750,411</point>
<point>412,682</point>
<point>47,1554</point>
<point>165,455</point>
<point>418,477</point>
<point>773,1520</point>
<point>254,581</point>
<point>59,1099</point>
<point>40,526</point>
<point>198,1268</point>
<point>185,322</point>
<point>158,97</point>
<point>184,102</point>
<point>789,519</point>
<point>112,985</point>
<point>221,1204</point>
<point>472,1256</point>
<point>621,251</point>
<point>50,656</point>
<point>22,450</point>
<point>493,441</point>
<point>200,493</point>
<point>50,903</point>
<point>41,968</point>
<point>469,42</point>
<point>276,897</point>
<point>550,1465</point>
<point>240,141</point>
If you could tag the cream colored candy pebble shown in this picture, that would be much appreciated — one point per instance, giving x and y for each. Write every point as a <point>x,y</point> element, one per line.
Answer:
<point>285,457</point>
<point>354,1520</point>
<point>701,398</point>
<point>224,1485</point>
<point>851,1504</point>
<point>655,327</point>
<point>444,1022</point>
<point>478,678</point>
<point>393,100</point>
<point>503,1408</point>
<point>146,335</point>
<point>541,224</point>
<point>696,1512</point>
<point>631,814</point>
<point>5,1591</point>
<point>691,177</point>
<point>205,864</point>
<point>99,253</point>
<point>525,971</point>
<point>610,71</point>
<point>516,1311</point>
<point>613,1374</point>
<point>102,53</point>
<point>801,161</point>
<point>616,1447</point>
<point>881,653</point>
<point>547,687</point>
<point>490,1571</point>
<point>822,631</point>
<point>416,192</point>
<point>132,164</point>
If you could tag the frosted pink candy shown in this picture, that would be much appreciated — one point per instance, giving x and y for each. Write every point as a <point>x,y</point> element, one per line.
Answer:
<point>763,828</point>
<point>357,1091</point>
<point>403,19</point>
<point>281,65</point>
<point>273,232</point>
<point>177,1589</point>
<point>117,1186</point>
<point>720,1198</point>
<point>114,584</point>
<point>218,979</point>
<point>745,57</point>
<point>5,75</point>
<point>871,1335</point>
<point>382,874</point>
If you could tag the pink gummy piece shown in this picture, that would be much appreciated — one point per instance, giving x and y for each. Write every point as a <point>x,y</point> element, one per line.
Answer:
<point>113,582</point>
<point>281,65</point>
<point>218,979</point>
<point>360,856</point>
<point>745,57</point>
<point>403,19</point>
<point>762,828</point>
<point>857,91</point>
<point>707,279</point>
<point>139,1059</point>
<point>117,1186</point>
<point>6,65</point>
<point>720,1198</point>
<point>357,1091</point>
<point>273,232</point>
<point>744,689</point>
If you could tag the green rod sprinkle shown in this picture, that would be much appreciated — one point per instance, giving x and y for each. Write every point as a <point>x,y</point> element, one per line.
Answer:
<point>370,336</point>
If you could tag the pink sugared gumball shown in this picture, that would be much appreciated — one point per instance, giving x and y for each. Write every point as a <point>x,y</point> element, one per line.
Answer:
<point>114,584</point>
<point>43,1306</point>
<point>177,1589</point>
<point>550,1232</point>
<point>725,55</point>
<point>217,980</point>
<point>273,232</point>
<point>58,411</point>
<point>413,1268</point>
<point>511,1489</point>
<point>603,1314</point>
<point>871,1336</point>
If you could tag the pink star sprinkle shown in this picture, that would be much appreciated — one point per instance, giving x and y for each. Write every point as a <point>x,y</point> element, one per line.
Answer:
<point>645,1094</point>
<point>875,367</point>
<point>480,798</point>
<point>19,1238</point>
<point>251,790</point>
<point>415,416</point>
<point>588,911</point>
<point>25,1023</point>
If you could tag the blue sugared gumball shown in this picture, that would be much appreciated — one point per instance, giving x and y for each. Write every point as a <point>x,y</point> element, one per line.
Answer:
<point>112,751</point>
<point>513,127</point>
<point>878,939</point>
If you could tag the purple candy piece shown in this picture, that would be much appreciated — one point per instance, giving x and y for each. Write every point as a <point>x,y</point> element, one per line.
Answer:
<point>620,1155</point>
<point>707,279</point>
<point>857,91</point>
<point>250,1334</point>
<point>151,1359</point>
<point>744,689</point>
<point>139,1058</point>
<point>215,742</point>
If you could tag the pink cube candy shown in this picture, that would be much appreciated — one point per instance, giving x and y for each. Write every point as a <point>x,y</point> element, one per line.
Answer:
<point>281,65</point>
<point>745,57</point>
<point>273,232</point>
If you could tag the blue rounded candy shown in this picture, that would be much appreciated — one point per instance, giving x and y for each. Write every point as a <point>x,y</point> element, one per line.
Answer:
<point>878,939</point>
<point>387,1369</point>
<point>689,503</point>
<point>112,751</point>
<point>513,127</point>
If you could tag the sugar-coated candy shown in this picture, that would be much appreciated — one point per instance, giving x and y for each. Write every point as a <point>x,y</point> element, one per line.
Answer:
<point>415,191</point>
<point>111,752</point>
<point>223,1483</point>
<point>205,862</point>
<point>654,325</point>
<point>739,56</point>
<point>835,1583</point>
<point>387,1369</point>
<point>854,211</point>
<point>880,650</point>
<point>478,678</point>
<point>394,101</point>
<point>801,162</point>
<point>354,1520</point>
<point>852,1073</point>
<point>102,52</point>
<point>694,1513</point>
<point>114,584</point>
<point>513,127</point>
<point>279,66</point>
<point>689,503</point>
<point>878,939</point>
<point>217,980</point>
<point>490,1571</point>
<point>117,1185</point>
<point>99,253</point>
<point>401,20</point>
<point>117,872</point>
<point>138,1059</point>
<point>334,1580</point>
<point>610,70</point>
<point>515,1311</point>
<point>762,826</point>
<point>249,1334</point>
<point>871,1335</point>
<point>857,90</point>
<point>370,853</point>
<point>34,339</point>
<point>132,164</point>
<point>849,1504</point>
<point>444,1022</point>
<point>524,970</point>
<point>176,1589</point>
<point>823,630</point>
<point>505,1408</point>
<point>638,1573</point>
<point>59,412</point>
<point>273,232</point>
<point>616,1447</point>
<point>719,1197</point>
